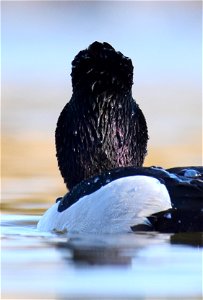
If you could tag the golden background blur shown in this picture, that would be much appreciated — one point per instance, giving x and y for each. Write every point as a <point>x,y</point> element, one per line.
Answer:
<point>39,41</point>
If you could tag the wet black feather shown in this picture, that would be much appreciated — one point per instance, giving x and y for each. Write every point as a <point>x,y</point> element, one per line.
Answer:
<point>102,127</point>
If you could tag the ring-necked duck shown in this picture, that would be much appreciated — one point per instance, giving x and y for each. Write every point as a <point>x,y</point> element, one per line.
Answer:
<point>101,143</point>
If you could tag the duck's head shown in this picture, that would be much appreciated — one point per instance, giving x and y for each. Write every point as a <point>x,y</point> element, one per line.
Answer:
<point>102,127</point>
<point>100,68</point>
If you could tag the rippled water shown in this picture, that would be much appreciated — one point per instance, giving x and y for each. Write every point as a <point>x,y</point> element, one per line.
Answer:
<point>38,265</point>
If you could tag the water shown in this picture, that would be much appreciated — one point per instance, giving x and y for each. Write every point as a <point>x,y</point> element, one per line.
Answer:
<point>37,265</point>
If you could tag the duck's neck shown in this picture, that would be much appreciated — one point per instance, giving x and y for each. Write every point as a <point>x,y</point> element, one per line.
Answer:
<point>114,124</point>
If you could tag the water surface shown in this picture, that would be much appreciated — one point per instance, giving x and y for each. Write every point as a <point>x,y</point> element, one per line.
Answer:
<point>38,265</point>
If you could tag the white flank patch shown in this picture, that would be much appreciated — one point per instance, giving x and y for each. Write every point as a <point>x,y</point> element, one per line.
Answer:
<point>113,208</point>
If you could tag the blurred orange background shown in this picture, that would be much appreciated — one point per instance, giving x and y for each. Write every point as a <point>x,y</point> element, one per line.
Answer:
<point>39,41</point>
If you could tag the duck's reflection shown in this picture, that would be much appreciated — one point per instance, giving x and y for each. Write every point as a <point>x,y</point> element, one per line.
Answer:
<point>119,250</point>
<point>101,256</point>
<point>187,238</point>
<point>94,255</point>
<point>107,249</point>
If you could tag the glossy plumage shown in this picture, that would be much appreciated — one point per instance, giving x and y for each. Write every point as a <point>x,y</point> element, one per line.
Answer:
<point>114,208</point>
<point>102,127</point>
<point>185,192</point>
<point>185,188</point>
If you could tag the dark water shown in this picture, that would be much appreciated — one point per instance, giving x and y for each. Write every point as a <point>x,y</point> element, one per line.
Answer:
<point>38,265</point>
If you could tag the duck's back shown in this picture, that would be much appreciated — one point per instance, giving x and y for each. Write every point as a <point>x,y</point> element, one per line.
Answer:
<point>114,208</point>
<point>185,188</point>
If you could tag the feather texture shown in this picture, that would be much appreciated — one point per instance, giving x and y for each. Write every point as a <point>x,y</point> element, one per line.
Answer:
<point>102,127</point>
<point>114,208</point>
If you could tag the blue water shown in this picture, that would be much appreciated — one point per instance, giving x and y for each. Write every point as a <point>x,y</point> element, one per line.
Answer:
<point>38,265</point>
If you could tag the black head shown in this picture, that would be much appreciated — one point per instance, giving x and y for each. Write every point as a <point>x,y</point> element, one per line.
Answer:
<point>102,127</point>
<point>100,68</point>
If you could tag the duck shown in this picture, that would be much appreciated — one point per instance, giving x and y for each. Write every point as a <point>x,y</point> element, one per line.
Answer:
<point>101,142</point>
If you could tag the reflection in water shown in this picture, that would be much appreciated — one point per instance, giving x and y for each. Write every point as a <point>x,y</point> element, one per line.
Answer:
<point>108,249</point>
<point>38,265</point>
<point>187,238</point>
<point>120,249</point>
<point>97,255</point>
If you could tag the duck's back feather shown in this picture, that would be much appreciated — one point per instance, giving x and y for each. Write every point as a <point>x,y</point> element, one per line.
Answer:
<point>185,192</point>
<point>186,195</point>
<point>114,208</point>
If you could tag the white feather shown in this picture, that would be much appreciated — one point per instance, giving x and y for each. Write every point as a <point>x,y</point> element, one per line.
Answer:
<point>113,208</point>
